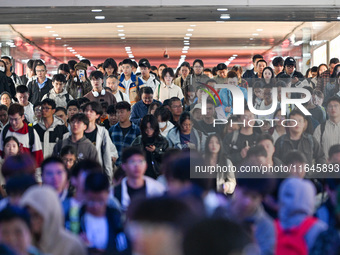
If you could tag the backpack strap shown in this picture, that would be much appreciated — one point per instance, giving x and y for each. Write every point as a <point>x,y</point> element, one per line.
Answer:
<point>67,98</point>
<point>121,95</point>
<point>31,137</point>
<point>4,132</point>
<point>48,95</point>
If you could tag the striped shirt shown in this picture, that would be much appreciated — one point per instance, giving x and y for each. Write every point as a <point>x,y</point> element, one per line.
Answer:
<point>330,136</point>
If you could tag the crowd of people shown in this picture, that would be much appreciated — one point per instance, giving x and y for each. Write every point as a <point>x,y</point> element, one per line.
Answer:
<point>102,160</point>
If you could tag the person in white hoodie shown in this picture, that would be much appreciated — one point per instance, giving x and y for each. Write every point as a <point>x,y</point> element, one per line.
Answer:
<point>58,93</point>
<point>136,184</point>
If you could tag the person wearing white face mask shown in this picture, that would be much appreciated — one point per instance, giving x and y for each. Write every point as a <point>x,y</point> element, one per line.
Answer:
<point>163,116</point>
<point>3,79</point>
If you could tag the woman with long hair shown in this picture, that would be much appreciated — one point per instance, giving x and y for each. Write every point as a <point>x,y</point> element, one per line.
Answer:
<point>213,154</point>
<point>153,143</point>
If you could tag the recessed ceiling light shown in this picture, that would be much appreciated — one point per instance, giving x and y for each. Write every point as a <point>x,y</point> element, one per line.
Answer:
<point>127,48</point>
<point>96,10</point>
<point>186,41</point>
<point>75,52</point>
<point>188,34</point>
<point>122,38</point>
<point>58,38</point>
<point>72,50</point>
<point>65,45</point>
<point>121,34</point>
<point>338,17</point>
<point>259,29</point>
<point>235,55</point>
<point>121,30</point>
<point>120,26</point>
<point>129,52</point>
<point>187,38</point>
<point>225,16</point>
<point>183,56</point>
<point>193,25</point>
<point>190,30</point>
<point>99,17</point>
<point>69,48</point>
<point>255,34</point>
<point>222,9</point>
<point>251,39</point>
<point>55,35</point>
<point>184,51</point>
<point>48,27</point>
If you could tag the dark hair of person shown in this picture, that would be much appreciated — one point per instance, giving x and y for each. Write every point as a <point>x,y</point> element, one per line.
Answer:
<point>128,152</point>
<point>71,64</point>
<point>96,182</point>
<point>294,156</point>
<point>95,106</point>
<point>263,137</point>
<point>183,117</point>
<point>232,74</point>
<point>199,61</point>
<point>86,61</point>
<point>73,102</point>
<point>257,56</point>
<point>123,105</point>
<point>22,89</point>
<point>153,124</point>
<point>64,67</point>
<point>59,77</point>
<point>61,109</point>
<point>127,61</point>
<point>110,62</point>
<point>49,102</point>
<point>97,75</point>
<point>318,75</point>
<point>187,89</point>
<point>10,213</point>
<point>207,152</point>
<point>18,165</point>
<point>86,165</point>
<point>278,61</point>
<point>163,112</point>
<point>80,117</point>
<point>8,139</point>
<point>111,109</point>
<point>152,105</point>
<point>50,160</point>
<point>16,108</point>
<point>168,70</point>
<point>30,64</point>
<point>68,149</point>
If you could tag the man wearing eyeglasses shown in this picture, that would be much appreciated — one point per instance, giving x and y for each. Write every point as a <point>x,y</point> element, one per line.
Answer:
<point>289,68</point>
<point>50,129</point>
<point>41,86</point>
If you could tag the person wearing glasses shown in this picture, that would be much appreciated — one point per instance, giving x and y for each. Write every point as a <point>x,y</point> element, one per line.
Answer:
<point>136,184</point>
<point>289,68</point>
<point>50,129</point>
<point>198,77</point>
<point>38,88</point>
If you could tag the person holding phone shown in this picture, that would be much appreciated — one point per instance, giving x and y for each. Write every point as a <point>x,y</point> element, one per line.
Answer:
<point>80,85</point>
<point>153,143</point>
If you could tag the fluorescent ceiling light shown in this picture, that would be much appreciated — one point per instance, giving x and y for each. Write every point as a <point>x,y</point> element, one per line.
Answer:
<point>121,34</point>
<point>222,9</point>
<point>225,16</point>
<point>96,10</point>
<point>188,34</point>
<point>48,27</point>
<point>99,17</point>
<point>120,26</point>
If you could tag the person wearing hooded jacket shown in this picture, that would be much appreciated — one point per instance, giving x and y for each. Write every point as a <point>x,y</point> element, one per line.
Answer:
<point>83,146</point>
<point>58,93</point>
<point>50,129</point>
<point>296,204</point>
<point>100,137</point>
<point>49,235</point>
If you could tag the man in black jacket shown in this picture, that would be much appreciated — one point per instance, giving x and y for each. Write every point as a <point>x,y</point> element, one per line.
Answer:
<point>41,86</point>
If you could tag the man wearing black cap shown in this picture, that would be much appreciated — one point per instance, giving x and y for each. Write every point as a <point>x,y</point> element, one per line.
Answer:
<point>222,71</point>
<point>148,78</point>
<point>289,68</point>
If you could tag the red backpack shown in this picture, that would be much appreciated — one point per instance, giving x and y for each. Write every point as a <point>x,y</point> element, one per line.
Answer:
<point>291,241</point>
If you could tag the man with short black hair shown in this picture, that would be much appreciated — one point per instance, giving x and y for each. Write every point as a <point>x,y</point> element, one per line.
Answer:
<point>328,133</point>
<point>10,72</point>
<point>22,96</point>
<point>176,109</point>
<point>26,78</point>
<point>58,93</point>
<point>332,63</point>
<point>222,71</point>
<point>3,116</point>
<point>125,131</point>
<point>84,148</point>
<point>140,109</point>
<point>148,78</point>
<point>289,68</point>
<point>26,135</point>
<point>298,139</point>
<point>54,174</point>
<point>278,65</point>
<point>129,83</point>
<point>41,86</point>
<point>50,128</point>
<point>72,108</point>
<point>98,93</point>
<point>249,74</point>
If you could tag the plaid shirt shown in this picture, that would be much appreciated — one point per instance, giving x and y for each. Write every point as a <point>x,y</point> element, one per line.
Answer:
<point>323,80</point>
<point>121,142</point>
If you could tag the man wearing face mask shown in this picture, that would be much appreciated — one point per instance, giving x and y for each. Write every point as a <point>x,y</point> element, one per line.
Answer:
<point>140,109</point>
<point>4,86</point>
<point>15,78</point>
